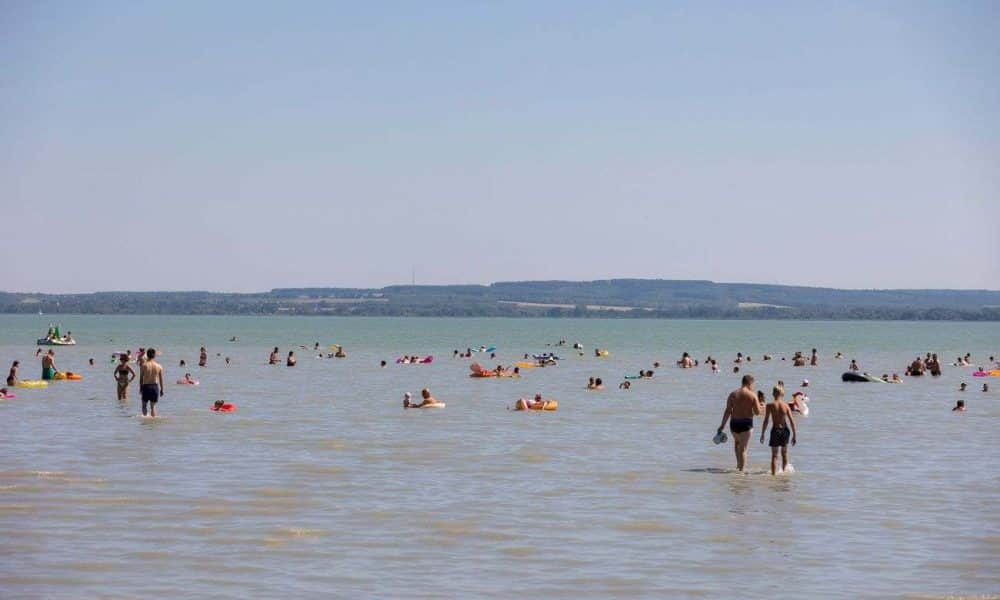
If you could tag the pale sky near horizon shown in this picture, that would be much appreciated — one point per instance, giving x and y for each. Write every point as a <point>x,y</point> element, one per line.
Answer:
<point>233,146</point>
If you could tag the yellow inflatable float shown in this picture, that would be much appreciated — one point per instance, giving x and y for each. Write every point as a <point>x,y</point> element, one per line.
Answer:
<point>68,376</point>
<point>537,404</point>
<point>31,383</point>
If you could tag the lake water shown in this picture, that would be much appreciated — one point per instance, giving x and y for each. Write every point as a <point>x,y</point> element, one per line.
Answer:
<point>322,485</point>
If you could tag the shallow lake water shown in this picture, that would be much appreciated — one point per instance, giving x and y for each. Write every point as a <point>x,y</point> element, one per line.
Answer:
<point>322,485</point>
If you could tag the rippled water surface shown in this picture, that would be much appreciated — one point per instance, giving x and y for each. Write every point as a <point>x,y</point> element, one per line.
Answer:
<point>322,485</point>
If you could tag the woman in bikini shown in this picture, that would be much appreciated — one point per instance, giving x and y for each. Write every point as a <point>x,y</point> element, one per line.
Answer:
<point>124,376</point>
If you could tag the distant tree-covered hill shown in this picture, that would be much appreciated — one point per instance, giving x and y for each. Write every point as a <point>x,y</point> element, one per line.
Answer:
<point>624,298</point>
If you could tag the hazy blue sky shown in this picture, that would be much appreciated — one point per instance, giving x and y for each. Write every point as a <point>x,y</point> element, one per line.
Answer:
<point>242,146</point>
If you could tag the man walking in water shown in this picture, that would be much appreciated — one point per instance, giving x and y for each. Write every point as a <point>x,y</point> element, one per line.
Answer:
<point>150,382</point>
<point>741,406</point>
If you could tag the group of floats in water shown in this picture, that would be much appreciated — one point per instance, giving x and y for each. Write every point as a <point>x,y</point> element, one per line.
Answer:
<point>428,401</point>
<point>49,373</point>
<point>929,364</point>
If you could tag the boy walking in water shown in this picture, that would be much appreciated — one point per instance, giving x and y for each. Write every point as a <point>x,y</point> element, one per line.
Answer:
<point>781,415</point>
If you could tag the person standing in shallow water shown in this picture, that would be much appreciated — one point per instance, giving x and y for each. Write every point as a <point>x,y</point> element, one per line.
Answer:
<point>123,376</point>
<point>150,382</point>
<point>49,365</point>
<point>741,406</point>
<point>203,358</point>
<point>12,375</point>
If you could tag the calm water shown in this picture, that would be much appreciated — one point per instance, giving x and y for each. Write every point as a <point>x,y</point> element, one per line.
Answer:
<point>321,485</point>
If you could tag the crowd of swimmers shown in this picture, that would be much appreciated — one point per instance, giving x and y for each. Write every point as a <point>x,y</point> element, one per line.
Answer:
<point>742,405</point>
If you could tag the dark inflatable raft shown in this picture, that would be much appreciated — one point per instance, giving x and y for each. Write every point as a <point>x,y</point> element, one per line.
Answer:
<point>858,378</point>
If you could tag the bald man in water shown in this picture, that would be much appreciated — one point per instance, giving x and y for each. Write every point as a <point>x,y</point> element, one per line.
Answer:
<point>741,406</point>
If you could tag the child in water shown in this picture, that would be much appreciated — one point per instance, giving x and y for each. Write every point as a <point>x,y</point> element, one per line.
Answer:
<point>959,406</point>
<point>780,415</point>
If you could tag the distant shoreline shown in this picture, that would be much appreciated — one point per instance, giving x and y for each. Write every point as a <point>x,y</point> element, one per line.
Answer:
<point>616,298</point>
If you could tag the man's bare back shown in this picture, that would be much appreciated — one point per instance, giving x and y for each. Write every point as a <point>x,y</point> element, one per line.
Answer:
<point>744,403</point>
<point>150,371</point>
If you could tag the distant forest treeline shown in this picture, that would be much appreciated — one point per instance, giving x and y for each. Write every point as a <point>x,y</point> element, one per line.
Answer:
<point>622,298</point>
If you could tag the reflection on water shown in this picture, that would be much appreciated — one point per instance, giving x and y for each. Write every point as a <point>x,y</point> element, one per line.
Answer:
<point>320,482</point>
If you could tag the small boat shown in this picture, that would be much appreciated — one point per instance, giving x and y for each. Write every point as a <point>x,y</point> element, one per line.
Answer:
<point>56,342</point>
<point>55,338</point>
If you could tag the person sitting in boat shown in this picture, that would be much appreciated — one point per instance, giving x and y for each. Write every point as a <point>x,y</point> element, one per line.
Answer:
<point>68,337</point>
<point>51,334</point>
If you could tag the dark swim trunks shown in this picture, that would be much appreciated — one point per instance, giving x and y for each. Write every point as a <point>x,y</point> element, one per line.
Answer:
<point>150,392</point>
<point>740,425</point>
<point>780,436</point>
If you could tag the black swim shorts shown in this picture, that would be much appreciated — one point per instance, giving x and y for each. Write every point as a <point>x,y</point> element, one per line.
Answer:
<point>739,425</point>
<point>780,436</point>
<point>150,392</point>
